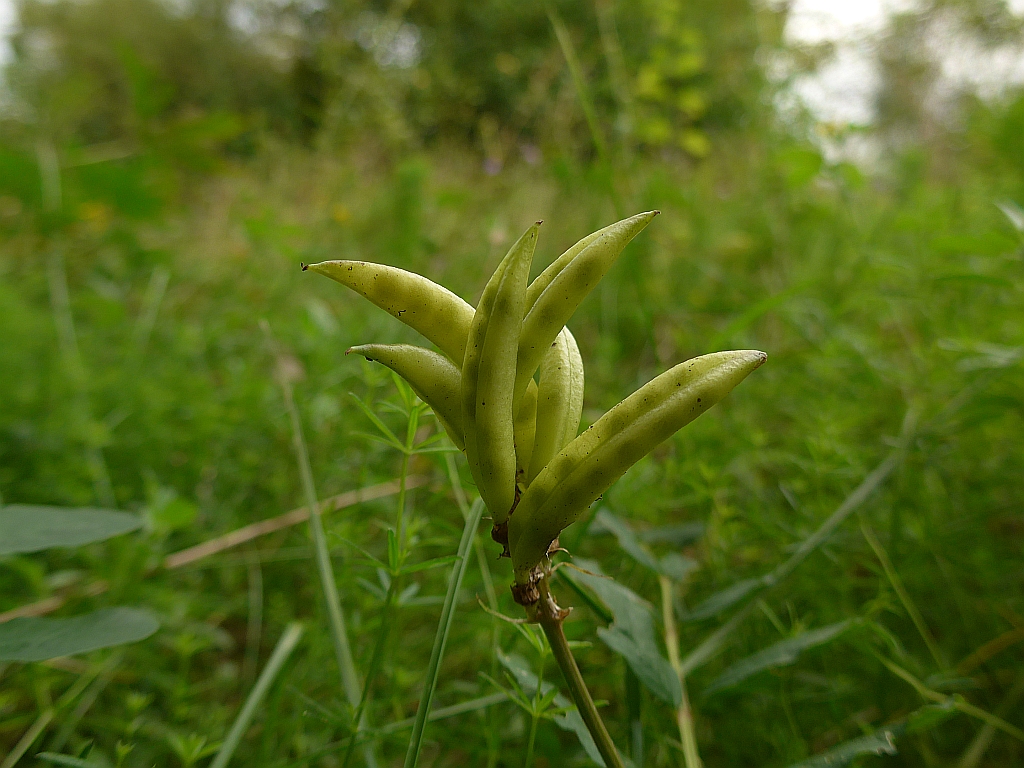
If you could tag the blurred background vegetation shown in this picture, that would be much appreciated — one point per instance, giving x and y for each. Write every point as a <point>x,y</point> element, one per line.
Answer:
<point>164,168</point>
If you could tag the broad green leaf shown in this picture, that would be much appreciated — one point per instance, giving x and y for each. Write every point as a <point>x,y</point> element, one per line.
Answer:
<point>29,528</point>
<point>38,639</point>
<point>570,721</point>
<point>726,598</point>
<point>781,654</point>
<point>632,633</point>
<point>677,567</point>
<point>606,520</point>
<point>673,565</point>
<point>881,742</point>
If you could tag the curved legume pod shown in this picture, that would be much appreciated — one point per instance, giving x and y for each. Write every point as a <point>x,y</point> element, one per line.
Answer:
<point>560,401</point>
<point>524,429</point>
<point>488,375</point>
<point>588,465</point>
<point>432,310</point>
<point>433,377</point>
<point>565,284</point>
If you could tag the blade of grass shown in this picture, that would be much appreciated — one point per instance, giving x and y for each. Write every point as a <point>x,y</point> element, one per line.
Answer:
<point>28,739</point>
<point>254,623</point>
<point>339,633</point>
<point>444,625</point>
<point>104,675</point>
<point>616,71</point>
<point>493,732</point>
<point>958,702</point>
<point>473,705</point>
<point>284,648</point>
<point>981,742</point>
<point>586,103</point>
<point>569,51</point>
<point>714,642</point>
<point>60,303</point>
<point>901,591</point>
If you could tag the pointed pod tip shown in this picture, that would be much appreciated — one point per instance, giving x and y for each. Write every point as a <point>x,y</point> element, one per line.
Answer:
<point>538,223</point>
<point>751,358</point>
<point>304,266</point>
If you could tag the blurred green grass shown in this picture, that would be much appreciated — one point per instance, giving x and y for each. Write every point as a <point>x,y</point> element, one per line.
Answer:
<point>875,294</point>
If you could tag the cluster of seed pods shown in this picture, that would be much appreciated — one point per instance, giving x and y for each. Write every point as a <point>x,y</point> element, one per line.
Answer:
<point>507,386</point>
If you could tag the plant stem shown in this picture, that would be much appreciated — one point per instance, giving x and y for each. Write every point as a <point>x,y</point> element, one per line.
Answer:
<point>412,756</point>
<point>529,744</point>
<point>339,633</point>
<point>552,626</point>
<point>904,596</point>
<point>493,734</point>
<point>282,651</point>
<point>684,715</point>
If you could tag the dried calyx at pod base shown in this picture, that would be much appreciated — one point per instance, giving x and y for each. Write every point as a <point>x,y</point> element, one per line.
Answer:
<point>507,386</point>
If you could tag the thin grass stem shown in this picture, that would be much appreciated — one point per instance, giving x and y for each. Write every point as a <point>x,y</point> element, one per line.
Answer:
<point>284,648</point>
<point>983,740</point>
<point>339,633</point>
<point>684,714</point>
<point>412,756</point>
<point>528,759</point>
<point>28,739</point>
<point>901,591</point>
<point>716,641</point>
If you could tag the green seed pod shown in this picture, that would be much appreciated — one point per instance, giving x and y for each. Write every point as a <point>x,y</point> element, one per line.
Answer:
<point>563,285</point>
<point>525,430</point>
<point>593,461</point>
<point>560,401</point>
<point>433,377</point>
<point>423,305</point>
<point>488,375</point>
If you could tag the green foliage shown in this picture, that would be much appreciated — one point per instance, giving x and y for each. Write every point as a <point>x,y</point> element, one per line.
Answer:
<point>26,528</point>
<point>32,639</point>
<point>877,291</point>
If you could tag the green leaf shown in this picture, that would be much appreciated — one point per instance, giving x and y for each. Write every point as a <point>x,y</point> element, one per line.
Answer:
<point>66,760</point>
<point>393,554</point>
<point>436,562</point>
<point>444,625</point>
<point>881,742</point>
<point>570,721</point>
<point>673,565</point>
<point>726,598</point>
<point>605,520</point>
<point>27,528</point>
<point>780,654</point>
<point>930,715</point>
<point>1013,213</point>
<point>676,535</point>
<point>632,633</point>
<point>38,639</point>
